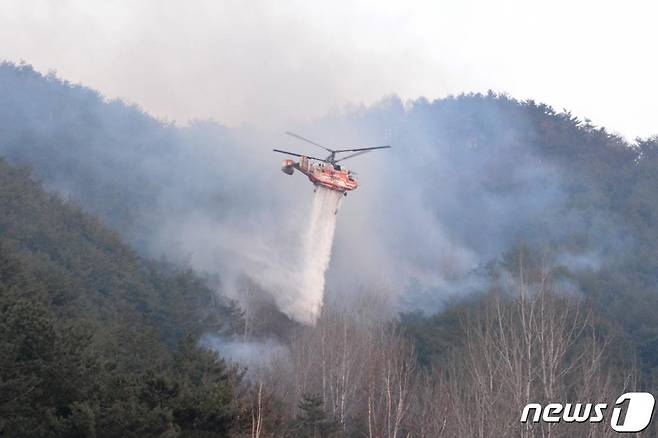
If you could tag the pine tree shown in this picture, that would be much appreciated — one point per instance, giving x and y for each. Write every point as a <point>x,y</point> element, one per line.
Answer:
<point>312,421</point>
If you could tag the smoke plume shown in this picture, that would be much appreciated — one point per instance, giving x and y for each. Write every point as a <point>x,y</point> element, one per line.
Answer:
<point>467,179</point>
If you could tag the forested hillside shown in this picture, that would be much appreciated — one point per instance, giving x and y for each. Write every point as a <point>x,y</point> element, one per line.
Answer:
<point>96,341</point>
<point>495,225</point>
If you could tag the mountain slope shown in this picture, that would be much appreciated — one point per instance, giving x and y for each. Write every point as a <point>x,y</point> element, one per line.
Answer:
<point>94,339</point>
<point>476,175</point>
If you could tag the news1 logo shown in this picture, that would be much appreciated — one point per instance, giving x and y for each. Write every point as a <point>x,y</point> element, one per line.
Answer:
<point>631,412</point>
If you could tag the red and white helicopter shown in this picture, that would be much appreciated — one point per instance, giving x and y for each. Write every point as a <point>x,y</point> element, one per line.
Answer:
<point>325,172</point>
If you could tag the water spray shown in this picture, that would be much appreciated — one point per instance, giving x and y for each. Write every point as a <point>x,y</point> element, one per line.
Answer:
<point>331,181</point>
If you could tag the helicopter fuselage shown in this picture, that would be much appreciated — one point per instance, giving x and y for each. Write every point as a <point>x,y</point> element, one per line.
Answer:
<point>326,175</point>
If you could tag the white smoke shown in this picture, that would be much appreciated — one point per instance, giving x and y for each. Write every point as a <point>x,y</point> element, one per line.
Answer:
<point>288,265</point>
<point>252,354</point>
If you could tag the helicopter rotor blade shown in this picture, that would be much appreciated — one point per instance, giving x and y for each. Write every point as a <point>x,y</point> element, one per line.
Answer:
<point>352,156</point>
<point>362,149</point>
<point>292,134</point>
<point>298,155</point>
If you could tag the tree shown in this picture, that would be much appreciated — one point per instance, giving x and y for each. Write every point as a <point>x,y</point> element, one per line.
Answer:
<point>312,420</point>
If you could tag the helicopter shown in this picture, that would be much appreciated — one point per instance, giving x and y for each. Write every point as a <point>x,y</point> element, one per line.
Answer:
<point>325,172</point>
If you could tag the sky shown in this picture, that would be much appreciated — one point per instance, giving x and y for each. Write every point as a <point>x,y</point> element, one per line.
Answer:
<point>268,63</point>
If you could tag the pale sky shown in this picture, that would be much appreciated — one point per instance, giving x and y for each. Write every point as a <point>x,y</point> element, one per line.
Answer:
<point>262,62</point>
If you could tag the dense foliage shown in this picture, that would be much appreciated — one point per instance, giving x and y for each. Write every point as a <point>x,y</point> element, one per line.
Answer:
<point>96,341</point>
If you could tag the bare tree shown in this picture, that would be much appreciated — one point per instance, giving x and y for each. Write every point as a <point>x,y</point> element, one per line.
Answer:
<point>522,342</point>
<point>527,344</point>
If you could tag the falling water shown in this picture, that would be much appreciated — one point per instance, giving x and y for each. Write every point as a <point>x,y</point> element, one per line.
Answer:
<point>316,253</point>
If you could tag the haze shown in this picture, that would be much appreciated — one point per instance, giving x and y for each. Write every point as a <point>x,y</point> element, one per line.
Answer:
<point>265,63</point>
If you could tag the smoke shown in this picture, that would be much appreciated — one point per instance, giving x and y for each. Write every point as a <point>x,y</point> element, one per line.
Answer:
<point>300,66</point>
<point>252,354</point>
<point>466,180</point>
